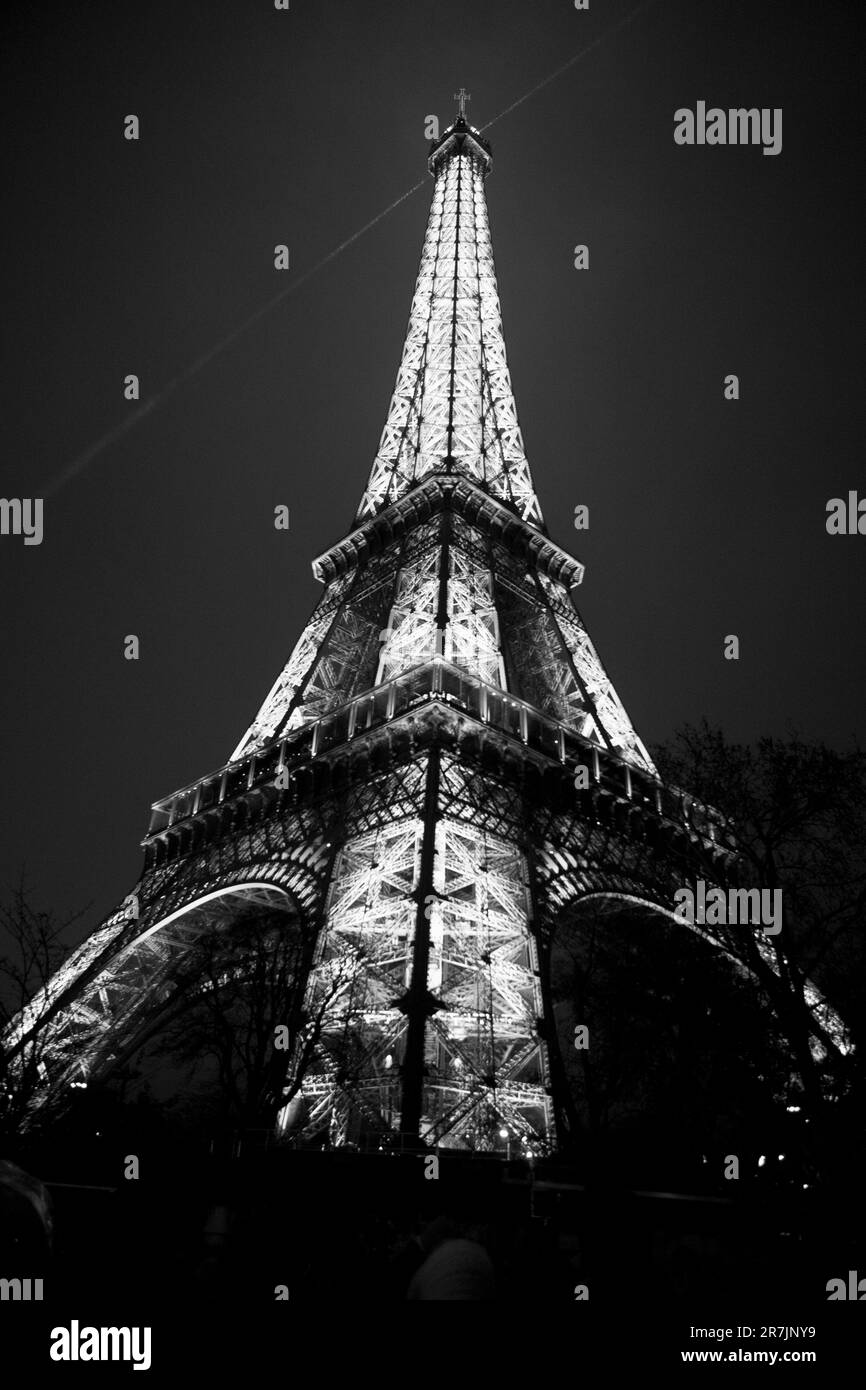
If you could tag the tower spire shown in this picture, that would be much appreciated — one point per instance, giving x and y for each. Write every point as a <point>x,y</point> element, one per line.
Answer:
<point>453,408</point>
<point>462,97</point>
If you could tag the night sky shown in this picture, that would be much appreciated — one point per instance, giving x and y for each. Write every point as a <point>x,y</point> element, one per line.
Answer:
<point>258,127</point>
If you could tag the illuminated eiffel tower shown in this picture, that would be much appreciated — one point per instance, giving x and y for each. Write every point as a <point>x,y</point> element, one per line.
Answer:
<point>406,802</point>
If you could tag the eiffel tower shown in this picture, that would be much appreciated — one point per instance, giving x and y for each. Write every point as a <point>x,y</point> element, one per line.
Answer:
<point>440,771</point>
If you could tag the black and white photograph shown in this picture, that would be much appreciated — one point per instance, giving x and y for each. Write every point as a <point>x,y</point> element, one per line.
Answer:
<point>432,558</point>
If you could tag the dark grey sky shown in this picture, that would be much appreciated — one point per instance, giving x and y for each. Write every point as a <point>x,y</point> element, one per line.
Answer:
<point>258,127</point>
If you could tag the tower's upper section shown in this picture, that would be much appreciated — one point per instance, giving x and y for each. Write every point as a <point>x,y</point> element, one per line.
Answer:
<point>449,564</point>
<point>453,408</point>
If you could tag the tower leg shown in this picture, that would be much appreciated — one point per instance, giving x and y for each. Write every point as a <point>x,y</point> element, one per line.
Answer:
<point>417,1003</point>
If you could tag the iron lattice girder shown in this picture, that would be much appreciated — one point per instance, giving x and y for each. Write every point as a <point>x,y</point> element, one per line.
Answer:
<point>287,855</point>
<point>490,778</point>
<point>99,1016</point>
<point>378,729</point>
<point>370,576</point>
<point>453,397</point>
<point>504,618</point>
<point>478,901</point>
<point>406,789</point>
<point>427,499</point>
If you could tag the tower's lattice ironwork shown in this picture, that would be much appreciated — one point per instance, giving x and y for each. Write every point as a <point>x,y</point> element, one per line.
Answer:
<point>405,797</point>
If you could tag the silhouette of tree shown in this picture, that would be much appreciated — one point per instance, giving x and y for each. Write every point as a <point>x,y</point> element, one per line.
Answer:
<point>32,947</point>
<point>250,983</point>
<point>797,810</point>
<point>682,1055</point>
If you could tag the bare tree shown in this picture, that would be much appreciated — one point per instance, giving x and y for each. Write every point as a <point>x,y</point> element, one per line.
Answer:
<point>797,810</point>
<point>678,1041</point>
<point>252,1015</point>
<point>33,946</point>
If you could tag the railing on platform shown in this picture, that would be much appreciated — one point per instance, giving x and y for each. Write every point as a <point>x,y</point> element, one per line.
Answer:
<point>436,680</point>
